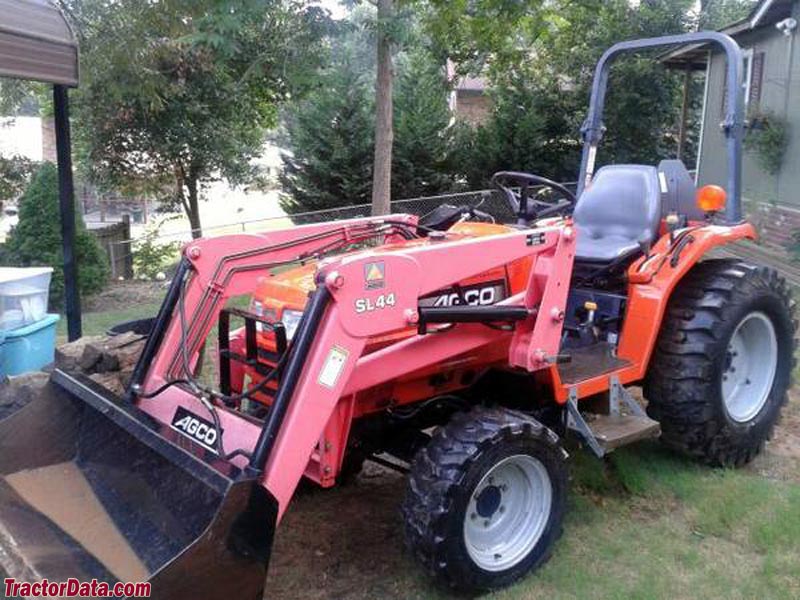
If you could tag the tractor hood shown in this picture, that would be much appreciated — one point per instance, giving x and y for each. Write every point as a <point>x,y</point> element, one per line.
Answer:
<point>289,289</point>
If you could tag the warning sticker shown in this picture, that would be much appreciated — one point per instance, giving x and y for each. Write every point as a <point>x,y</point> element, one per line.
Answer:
<point>333,367</point>
<point>374,275</point>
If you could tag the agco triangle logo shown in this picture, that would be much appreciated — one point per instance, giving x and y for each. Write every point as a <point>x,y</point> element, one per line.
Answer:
<point>374,275</point>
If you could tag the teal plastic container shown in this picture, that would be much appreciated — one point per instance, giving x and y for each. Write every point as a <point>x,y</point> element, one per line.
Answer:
<point>28,348</point>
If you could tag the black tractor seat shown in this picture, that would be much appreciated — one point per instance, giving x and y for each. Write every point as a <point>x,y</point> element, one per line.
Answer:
<point>618,214</point>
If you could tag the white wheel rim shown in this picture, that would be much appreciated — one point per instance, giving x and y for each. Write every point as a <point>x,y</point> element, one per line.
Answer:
<point>507,512</point>
<point>751,362</point>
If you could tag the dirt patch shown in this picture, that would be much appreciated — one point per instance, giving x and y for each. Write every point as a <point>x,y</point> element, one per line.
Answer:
<point>126,293</point>
<point>781,458</point>
<point>346,542</point>
<point>786,441</point>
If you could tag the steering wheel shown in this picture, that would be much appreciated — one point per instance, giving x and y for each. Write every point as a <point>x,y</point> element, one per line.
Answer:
<point>527,208</point>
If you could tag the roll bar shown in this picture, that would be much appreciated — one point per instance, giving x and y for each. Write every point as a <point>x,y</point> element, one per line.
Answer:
<point>733,125</point>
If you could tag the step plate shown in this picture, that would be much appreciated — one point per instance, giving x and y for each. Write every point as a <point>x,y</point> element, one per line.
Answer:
<point>613,431</point>
<point>589,362</point>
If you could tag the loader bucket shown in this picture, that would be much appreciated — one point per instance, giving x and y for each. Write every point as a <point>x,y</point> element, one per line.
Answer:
<point>93,488</point>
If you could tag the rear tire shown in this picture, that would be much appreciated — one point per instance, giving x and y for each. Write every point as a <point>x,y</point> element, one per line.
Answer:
<point>485,499</point>
<point>723,362</point>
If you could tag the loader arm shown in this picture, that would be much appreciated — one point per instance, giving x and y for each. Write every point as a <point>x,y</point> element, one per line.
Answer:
<point>358,296</point>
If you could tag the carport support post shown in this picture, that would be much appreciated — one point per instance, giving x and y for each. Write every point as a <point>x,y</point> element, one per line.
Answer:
<point>66,200</point>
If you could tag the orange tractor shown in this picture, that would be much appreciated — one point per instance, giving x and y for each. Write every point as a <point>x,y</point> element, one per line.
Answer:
<point>461,351</point>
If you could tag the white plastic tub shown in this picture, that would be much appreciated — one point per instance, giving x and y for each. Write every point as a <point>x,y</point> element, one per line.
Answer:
<point>23,295</point>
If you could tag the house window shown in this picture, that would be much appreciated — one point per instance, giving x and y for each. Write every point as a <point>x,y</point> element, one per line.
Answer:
<point>748,76</point>
<point>751,80</point>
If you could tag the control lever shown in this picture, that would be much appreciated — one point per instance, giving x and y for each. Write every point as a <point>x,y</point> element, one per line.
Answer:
<point>645,246</point>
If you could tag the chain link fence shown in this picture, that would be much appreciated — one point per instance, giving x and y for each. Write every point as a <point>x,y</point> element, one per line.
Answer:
<point>489,201</point>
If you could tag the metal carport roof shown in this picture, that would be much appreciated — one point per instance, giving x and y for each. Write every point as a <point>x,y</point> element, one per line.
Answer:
<point>36,42</point>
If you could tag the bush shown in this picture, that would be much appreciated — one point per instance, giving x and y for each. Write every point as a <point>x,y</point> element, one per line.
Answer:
<point>151,257</point>
<point>768,137</point>
<point>36,240</point>
<point>794,245</point>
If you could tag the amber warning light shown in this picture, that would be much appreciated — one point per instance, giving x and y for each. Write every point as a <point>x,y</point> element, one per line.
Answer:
<point>711,198</point>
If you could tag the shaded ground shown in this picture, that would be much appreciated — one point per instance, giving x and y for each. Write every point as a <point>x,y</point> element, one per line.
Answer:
<point>125,294</point>
<point>643,524</point>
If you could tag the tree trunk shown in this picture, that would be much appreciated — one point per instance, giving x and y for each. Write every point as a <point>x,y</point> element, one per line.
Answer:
<point>193,207</point>
<point>702,16</point>
<point>382,169</point>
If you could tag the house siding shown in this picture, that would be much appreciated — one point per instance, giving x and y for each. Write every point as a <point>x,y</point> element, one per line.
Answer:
<point>781,62</point>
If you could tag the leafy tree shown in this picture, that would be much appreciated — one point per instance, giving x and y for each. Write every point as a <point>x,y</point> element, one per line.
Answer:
<point>542,78</point>
<point>489,34</point>
<point>36,240</point>
<point>467,30</point>
<point>14,174</point>
<point>176,94</point>
<point>715,14</point>
<point>540,103</point>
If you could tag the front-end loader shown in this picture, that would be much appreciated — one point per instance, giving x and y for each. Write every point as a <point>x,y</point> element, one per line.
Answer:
<point>464,352</point>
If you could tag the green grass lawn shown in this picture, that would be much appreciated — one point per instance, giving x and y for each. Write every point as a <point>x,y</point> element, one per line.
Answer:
<point>651,525</point>
<point>96,323</point>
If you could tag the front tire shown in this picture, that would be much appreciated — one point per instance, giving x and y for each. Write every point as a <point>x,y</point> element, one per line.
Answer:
<point>485,499</point>
<point>723,362</point>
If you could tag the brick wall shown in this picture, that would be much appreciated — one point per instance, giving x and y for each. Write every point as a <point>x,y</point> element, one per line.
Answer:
<point>48,139</point>
<point>473,108</point>
<point>776,225</point>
